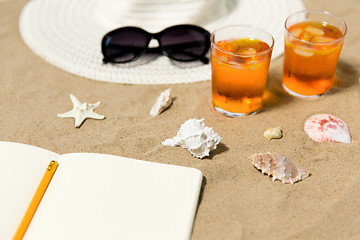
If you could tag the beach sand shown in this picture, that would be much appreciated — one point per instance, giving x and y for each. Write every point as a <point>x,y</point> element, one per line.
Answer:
<point>237,201</point>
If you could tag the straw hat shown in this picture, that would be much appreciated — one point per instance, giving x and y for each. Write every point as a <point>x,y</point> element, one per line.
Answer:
<point>68,33</point>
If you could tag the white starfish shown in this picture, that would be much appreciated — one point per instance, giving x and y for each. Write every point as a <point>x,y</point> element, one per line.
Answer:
<point>81,111</point>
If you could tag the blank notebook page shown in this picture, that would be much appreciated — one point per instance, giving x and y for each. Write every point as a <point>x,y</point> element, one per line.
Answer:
<point>96,196</point>
<point>21,170</point>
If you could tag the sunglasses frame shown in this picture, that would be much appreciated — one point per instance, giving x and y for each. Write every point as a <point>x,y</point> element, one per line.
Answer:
<point>160,49</point>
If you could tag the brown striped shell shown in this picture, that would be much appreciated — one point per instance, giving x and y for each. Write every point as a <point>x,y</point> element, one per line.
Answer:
<point>279,167</point>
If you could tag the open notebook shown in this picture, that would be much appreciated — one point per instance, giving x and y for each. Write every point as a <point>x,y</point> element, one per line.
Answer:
<point>96,196</point>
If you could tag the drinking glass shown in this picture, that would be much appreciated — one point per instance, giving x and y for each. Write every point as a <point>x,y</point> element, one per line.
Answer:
<point>240,59</point>
<point>313,42</point>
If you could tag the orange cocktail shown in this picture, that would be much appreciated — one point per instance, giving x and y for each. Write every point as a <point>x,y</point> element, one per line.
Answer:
<point>313,42</point>
<point>240,59</point>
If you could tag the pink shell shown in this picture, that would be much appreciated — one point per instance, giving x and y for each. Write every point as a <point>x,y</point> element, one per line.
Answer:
<point>327,128</point>
<point>279,167</point>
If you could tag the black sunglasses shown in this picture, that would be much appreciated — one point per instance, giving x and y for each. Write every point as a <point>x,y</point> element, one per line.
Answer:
<point>181,43</point>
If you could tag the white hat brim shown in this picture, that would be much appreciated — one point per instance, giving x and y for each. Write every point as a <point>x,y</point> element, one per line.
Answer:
<point>67,34</point>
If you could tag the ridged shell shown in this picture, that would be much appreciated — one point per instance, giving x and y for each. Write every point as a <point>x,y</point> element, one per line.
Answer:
<point>279,167</point>
<point>327,128</point>
<point>195,137</point>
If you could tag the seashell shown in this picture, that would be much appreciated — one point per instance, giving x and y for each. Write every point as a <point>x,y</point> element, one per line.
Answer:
<point>162,103</point>
<point>272,133</point>
<point>327,128</point>
<point>279,167</point>
<point>195,137</point>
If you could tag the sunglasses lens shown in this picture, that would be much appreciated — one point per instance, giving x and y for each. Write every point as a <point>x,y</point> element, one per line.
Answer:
<point>124,45</point>
<point>185,44</point>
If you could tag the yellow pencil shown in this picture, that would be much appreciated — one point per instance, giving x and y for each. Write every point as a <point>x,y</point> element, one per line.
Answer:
<point>36,200</point>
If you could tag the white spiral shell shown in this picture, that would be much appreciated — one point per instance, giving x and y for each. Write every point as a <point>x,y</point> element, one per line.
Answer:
<point>195,137</point>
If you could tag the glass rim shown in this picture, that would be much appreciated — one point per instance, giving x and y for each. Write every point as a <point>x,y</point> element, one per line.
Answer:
<point>321,13</point>
<point>271,46</point>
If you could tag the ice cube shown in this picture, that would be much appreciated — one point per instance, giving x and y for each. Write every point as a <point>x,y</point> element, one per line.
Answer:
<point>322,39</point>
<point>306,36</point>
<point>288,43</point>
<point>226,46</point>
<point>253,61</point>
<point>222,59</point>
<point>255,67</point>
<point>236,65</point>
<point>247,50</point>
<point>303,52</point>
<point>221,44</point>
<point>314,31</point>
<point>296,32</point>
<point>248,43</point>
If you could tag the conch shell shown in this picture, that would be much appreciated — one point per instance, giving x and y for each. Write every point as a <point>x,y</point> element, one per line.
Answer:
<point>279,167</point>
<point>162,103</point>
<point>195,137</point>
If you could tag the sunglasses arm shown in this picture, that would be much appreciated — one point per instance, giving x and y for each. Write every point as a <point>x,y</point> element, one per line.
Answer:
<point>204,59</point>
